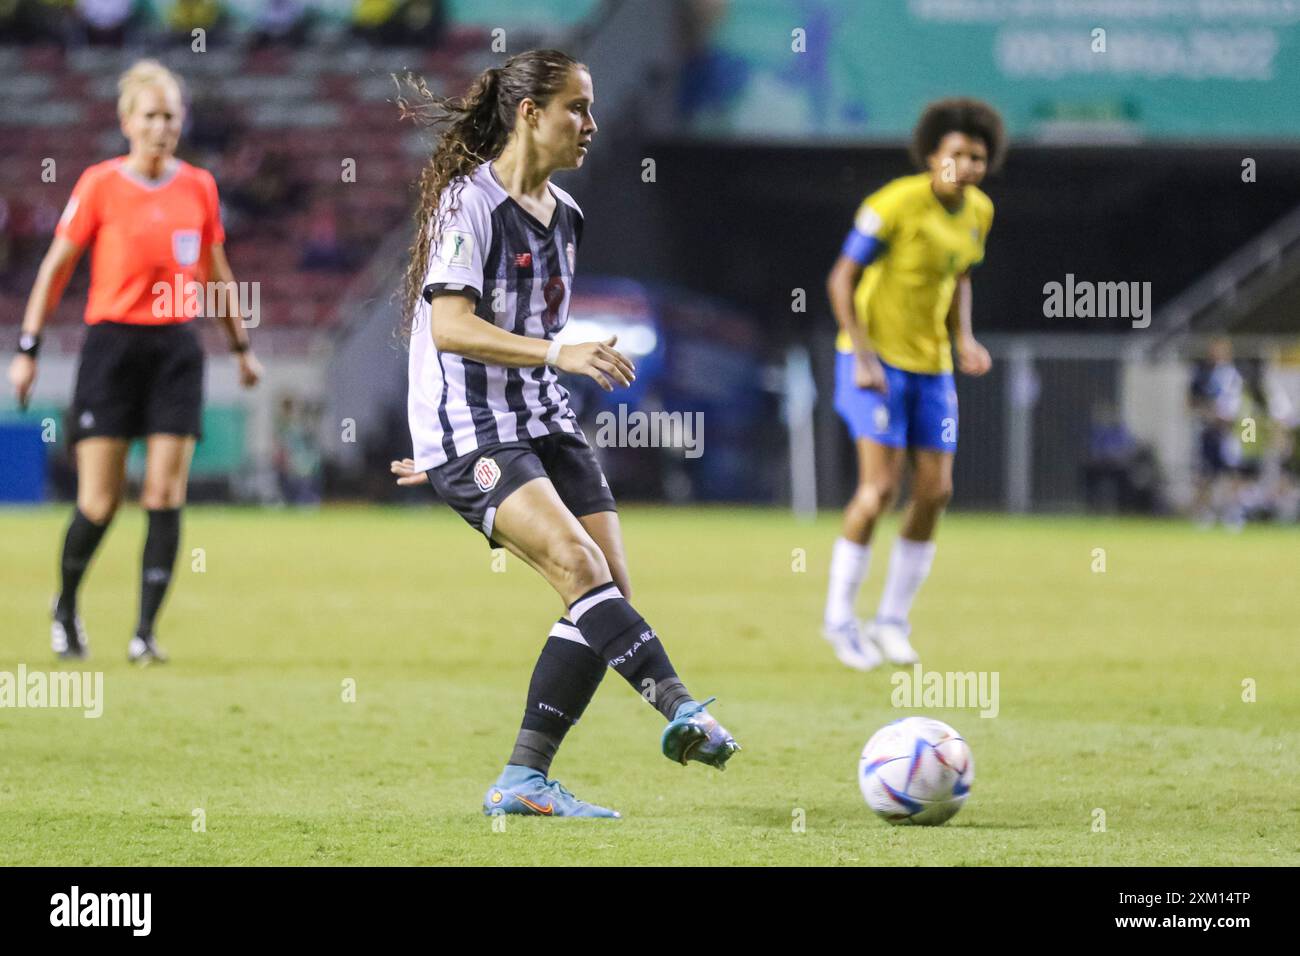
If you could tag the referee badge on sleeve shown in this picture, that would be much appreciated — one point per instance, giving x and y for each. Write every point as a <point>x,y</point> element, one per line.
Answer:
<point>185,246</point>
<point>486,474</point>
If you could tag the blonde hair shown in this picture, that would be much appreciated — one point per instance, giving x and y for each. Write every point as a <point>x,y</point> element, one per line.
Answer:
<point>142,75</point>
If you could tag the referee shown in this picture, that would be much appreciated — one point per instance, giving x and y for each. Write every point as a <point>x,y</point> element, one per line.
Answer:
<point>152,221</point>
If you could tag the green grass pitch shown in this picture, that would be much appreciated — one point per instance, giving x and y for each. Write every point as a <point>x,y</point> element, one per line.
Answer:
<point>1121,693</point>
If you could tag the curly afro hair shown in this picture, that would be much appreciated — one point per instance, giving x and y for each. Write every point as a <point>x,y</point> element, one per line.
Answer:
<point>975,118</point>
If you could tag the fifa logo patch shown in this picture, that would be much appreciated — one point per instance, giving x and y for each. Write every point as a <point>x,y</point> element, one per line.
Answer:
<point>867,221</point>
<point>881,418</point>
<point>486,474</point>
<point>185,246</point>
<point>457,248</point>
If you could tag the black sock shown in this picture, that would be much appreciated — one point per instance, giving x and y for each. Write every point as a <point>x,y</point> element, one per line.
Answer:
<point>620,635</point>
<point>160,545</point>
<point>564,680</point>
<point>79,546</point>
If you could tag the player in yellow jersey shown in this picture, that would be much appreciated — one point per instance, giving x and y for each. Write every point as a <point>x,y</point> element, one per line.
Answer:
<point>901,293</point>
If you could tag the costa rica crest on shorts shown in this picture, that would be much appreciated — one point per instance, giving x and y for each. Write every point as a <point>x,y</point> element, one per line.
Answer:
<point>486,474</point>
<point>185,246</point>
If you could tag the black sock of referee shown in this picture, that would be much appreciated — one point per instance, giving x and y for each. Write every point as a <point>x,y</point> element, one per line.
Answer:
<point>615,631</point>
<point>564,680</point>
<point>79,546</point>
<point>160,545</point>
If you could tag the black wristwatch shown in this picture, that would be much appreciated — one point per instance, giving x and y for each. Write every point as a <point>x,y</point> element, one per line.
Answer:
<point>239,348</point>
<point>29,344</point>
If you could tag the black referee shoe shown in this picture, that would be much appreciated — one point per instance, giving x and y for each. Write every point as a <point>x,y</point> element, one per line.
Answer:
<point>144,649</point>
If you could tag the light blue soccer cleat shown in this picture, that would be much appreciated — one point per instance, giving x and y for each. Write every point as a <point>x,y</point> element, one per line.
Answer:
<point>694,734</point>
<point>526,791</point>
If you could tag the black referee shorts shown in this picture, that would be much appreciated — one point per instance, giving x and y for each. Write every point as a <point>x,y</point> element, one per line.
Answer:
<point>476,484</point>
<point>1220,452</point>
<point>137,380</point>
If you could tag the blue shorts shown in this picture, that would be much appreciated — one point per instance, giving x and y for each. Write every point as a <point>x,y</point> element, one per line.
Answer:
<point>919,411</point>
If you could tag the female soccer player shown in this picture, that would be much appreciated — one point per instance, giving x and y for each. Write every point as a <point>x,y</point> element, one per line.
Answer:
<point>901,293</point>
<point>492,270</point>
<point>152,220</point>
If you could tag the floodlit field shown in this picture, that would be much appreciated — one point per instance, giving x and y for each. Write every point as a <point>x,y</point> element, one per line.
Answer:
<point>1120,696</point>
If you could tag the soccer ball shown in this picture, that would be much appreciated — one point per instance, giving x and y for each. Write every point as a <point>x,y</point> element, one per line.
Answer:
<point>916,770</point>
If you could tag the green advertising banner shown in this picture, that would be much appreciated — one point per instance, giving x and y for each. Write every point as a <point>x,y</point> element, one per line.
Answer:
<point>1060,70</point>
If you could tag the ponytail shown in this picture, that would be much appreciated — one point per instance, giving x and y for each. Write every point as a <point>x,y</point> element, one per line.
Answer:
<point>471,130</point>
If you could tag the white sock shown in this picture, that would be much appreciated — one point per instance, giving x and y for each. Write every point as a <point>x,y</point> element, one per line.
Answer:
<point>909,564</point>
<point>849,562</point>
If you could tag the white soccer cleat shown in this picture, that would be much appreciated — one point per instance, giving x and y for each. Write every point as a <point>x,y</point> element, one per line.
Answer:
<point>143,650</point>
<point>891,638</point>
<point>849,646</point>
<point>68,639</point>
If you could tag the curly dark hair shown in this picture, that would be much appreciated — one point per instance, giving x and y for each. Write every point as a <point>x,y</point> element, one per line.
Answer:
<point>471,130</point>
<point>975,118</point>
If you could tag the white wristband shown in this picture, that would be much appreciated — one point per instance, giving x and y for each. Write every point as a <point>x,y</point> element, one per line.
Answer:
<point>553,353</point>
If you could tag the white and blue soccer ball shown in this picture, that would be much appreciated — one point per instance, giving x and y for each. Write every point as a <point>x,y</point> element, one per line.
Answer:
<point>916,770</point>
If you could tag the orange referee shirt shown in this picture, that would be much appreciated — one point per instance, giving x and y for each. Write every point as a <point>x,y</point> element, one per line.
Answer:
<point>143,233</point>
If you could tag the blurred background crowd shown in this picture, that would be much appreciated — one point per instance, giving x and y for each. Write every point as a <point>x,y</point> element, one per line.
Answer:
<point>737,139</point>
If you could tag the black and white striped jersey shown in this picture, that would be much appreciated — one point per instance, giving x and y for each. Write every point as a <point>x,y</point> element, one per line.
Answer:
<point>520,272</point>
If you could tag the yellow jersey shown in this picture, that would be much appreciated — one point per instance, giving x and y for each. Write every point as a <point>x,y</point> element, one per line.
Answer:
<point>903,297</point>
